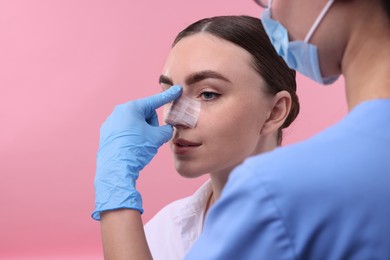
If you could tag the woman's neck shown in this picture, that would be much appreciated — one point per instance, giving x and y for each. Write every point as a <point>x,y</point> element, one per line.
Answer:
<point>218,181</point>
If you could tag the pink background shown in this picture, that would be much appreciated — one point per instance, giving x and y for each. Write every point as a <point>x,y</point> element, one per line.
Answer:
<point>64,65</point>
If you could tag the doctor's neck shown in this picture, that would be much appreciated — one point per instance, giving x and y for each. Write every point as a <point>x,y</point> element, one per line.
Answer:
<point>366,60</point>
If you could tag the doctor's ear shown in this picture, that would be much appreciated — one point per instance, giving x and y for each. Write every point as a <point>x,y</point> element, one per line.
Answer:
<point>280,109</point>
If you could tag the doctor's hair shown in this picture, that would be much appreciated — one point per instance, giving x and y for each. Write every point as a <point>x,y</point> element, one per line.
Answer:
<point>248,33</point>
<point>386,5</point>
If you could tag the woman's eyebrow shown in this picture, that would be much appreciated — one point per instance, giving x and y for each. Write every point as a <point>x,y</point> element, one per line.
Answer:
<point>195,77</point>
<point>165,80</point>
<point>202,75</point>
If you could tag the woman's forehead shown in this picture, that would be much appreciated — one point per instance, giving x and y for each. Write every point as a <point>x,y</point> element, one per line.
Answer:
<point>204,51</point>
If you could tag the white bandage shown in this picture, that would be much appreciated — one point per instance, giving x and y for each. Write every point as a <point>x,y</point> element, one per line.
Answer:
<point>182,111</point>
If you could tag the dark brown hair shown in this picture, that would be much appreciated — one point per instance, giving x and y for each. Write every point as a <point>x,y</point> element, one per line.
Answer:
<point>386,5</point>
<point>248,33</point>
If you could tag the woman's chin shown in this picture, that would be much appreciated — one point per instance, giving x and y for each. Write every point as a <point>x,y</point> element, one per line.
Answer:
<point>189,173</point>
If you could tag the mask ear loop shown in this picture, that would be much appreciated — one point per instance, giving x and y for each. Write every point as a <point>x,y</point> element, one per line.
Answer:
<point>318,20</point>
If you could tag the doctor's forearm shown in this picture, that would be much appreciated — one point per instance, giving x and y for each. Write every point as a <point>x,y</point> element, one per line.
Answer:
<point>123,235</point>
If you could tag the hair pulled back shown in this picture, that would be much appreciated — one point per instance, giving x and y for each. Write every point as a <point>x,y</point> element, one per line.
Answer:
<point>248,33</point>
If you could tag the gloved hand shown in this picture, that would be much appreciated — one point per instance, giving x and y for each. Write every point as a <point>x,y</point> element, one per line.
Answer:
<point>129,139</point>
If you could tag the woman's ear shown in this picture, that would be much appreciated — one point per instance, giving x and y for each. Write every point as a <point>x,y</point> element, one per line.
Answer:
<point>280,109</point>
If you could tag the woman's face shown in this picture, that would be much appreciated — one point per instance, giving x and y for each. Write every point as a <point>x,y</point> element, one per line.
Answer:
<point>234,105</point>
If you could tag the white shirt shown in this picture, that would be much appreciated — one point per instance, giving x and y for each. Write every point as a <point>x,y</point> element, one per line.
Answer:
<point>174,229</point>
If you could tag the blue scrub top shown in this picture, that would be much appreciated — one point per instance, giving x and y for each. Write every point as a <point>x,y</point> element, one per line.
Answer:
<point>324,198</point>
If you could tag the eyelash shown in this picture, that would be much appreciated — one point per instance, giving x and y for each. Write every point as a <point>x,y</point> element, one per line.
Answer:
<point>215,96</point>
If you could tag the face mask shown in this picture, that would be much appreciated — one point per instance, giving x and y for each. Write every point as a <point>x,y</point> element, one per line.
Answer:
<point>299,55</point>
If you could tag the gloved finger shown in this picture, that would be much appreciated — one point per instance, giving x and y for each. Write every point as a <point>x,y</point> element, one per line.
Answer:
<point>153,102</point>
<point>153,120</point>
<point>163,133</point>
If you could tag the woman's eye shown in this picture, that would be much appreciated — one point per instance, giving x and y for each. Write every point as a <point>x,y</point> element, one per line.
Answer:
<point>208,96</point>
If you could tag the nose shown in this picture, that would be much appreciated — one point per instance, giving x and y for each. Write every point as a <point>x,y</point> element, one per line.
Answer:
<point>183,112</point>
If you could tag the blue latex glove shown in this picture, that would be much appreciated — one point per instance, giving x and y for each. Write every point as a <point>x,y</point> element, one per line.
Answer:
<point>129,139</point>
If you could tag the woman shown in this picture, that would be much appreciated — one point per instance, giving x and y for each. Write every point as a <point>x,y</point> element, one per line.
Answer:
<point>247,96</point>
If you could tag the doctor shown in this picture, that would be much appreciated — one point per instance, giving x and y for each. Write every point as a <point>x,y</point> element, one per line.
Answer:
<point>324,198</point>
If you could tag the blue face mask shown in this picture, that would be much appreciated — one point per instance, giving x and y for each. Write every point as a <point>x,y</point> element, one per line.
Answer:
<point>299,55</point>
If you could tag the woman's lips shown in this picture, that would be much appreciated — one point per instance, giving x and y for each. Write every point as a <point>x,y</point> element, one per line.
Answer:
<point>182,146</point>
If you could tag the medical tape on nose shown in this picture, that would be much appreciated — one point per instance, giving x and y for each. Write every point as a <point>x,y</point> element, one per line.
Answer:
<point>183,111</point>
